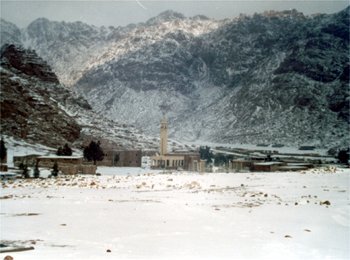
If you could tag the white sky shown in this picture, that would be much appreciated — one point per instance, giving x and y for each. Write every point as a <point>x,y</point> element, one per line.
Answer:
<point>115,13</point>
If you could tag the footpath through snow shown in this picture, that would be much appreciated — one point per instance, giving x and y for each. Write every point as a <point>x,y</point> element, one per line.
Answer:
<point>179,215</point>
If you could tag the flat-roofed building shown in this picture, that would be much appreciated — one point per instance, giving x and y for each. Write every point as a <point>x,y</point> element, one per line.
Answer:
<point>267,166</point>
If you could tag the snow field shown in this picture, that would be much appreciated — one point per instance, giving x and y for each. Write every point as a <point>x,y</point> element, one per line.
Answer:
<point>179,215</point>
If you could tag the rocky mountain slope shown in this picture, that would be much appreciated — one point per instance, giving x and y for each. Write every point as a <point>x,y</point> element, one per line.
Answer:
<point>35,107</point>
<point>277,77</point>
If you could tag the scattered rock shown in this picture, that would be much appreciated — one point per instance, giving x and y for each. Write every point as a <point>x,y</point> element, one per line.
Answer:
<point>92,183</point>
<point>307,230</point>
<point>25,214</point>
<point>296,203</point>
<point>326,202</point>
<point>98,174</point>
<point>63,225</point>
<point>16,249</point>
<point>242,185</point>
<point>6,197</point>
<point>265,195</point>
<point>108,251</point>
<point>193,185</point>
<point>288,236</point>
<point>8,257</point>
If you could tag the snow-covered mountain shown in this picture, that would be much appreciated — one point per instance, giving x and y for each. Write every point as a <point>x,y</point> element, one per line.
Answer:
<point>278,77</point>
<point>36,108</point>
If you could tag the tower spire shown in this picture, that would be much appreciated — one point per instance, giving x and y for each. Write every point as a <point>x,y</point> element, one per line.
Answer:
<point>163,136</point>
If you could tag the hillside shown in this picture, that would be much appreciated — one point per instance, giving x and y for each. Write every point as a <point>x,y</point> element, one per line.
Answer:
<point>36,108</point>
<point>275,77</point>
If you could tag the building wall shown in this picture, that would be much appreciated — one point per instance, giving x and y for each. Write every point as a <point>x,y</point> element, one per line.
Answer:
<point>192,162</point>
<point>122,158</point>
<point>77,169</point>
<point>170,161</point>
<point>73,165</point>
<point>240,165</point>
<point>50,161</point>
<point>26,159</point>
<point>189,162</point>
<point>262,167</point>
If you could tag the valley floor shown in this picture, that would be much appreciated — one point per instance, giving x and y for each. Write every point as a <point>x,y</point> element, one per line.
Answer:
<point>179,215</point>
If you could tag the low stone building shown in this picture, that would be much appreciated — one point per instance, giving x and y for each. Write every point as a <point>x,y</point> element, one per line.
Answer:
<point>122,158</point>
<point>296,167</point>
<point>49,161</point>
<point>29,159</point>
<point>240,165</point>
<point>67,164</point>
<point>267,166</point>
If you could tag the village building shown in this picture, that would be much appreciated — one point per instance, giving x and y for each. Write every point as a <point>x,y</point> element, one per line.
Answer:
<point>182,160</point>
<point>267,166</point>
<point>29,159</point>
<point>66,164</point>
<point>122,158</point>
<point>239,165</point>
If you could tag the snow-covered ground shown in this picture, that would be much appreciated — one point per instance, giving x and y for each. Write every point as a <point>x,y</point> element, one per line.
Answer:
<point>179,215</point>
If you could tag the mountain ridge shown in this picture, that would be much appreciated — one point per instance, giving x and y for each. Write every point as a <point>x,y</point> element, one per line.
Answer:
<point>271,77</point>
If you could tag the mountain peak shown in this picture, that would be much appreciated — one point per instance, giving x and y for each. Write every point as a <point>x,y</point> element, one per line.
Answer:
<point>41,20</point>
<point>166,16</point>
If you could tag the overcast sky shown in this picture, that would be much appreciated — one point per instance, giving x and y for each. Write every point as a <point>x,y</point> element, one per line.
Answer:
<point>115,13</point>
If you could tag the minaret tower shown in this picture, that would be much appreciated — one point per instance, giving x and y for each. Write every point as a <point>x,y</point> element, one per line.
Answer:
<point>163,136</point>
